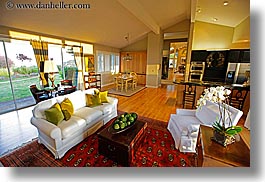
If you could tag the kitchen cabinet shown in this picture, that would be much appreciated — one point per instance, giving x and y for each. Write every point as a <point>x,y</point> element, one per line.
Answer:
<point>238,56</point>
<point>233,56</point>
<point>199,55</point>
<point>245,56</point>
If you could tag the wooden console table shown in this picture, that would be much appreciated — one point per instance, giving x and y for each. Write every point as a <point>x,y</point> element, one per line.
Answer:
<point>212,154</point>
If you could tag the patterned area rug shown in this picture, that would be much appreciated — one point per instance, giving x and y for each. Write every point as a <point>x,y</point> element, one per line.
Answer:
<point>156,150</point>
<point>128,93</point>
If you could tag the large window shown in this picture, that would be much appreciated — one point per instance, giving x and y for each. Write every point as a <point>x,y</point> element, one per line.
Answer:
<point>18,70</point>
<point>107,62</point>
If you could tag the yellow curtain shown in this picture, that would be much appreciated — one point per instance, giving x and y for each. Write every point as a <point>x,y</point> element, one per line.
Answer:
<point>40,49</point>
<point>78,54</point>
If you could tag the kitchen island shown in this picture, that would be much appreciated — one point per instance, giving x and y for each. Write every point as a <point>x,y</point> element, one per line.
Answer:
<point>200,86</point>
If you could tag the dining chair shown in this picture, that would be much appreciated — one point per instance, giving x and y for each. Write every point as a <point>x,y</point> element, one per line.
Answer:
<point>119,83</point>
<point>134,80</point>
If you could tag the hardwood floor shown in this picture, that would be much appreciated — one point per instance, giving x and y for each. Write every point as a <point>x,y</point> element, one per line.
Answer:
<point>156,103</point>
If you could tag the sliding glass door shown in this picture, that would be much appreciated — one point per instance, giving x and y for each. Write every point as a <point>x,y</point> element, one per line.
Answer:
<point>18,71</point>
<point>6,95</point>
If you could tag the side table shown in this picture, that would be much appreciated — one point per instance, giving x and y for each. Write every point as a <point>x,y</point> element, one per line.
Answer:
<point>212,154</point>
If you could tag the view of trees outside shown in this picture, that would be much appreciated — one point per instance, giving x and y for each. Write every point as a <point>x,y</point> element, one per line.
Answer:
<point>22,71</point>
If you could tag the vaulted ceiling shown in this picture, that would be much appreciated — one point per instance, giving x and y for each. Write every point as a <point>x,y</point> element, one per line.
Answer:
<point>108,22</point>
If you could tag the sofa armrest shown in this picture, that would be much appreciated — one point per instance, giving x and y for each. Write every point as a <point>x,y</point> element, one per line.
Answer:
<point>188,112</point>
<point>47,128</point>
<point>113,100</point>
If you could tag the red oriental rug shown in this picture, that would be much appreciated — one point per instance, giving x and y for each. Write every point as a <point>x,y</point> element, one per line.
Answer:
<point>156,150</point>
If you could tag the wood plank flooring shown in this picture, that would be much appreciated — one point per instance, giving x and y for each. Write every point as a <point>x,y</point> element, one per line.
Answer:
<point>156,103</point>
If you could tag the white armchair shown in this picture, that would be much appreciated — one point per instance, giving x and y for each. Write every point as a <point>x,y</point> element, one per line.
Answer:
<point>185,118</point>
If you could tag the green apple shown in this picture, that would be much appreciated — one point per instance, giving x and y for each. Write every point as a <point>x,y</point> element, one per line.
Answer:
<point>116,126</point>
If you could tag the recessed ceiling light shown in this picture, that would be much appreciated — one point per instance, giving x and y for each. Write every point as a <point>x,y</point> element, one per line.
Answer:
<point>226,3</point>
<point>215,19</point>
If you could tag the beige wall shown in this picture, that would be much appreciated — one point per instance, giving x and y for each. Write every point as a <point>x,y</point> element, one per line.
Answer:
<point>241,38</point>
<point>140,45</point>
<point>211,36</point>
<point>183,26</point>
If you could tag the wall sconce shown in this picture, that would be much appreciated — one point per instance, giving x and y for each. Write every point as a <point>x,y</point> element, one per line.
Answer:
<point>51,68</point>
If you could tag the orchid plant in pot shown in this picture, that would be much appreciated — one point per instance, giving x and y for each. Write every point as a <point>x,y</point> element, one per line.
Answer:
<point>223,129</point>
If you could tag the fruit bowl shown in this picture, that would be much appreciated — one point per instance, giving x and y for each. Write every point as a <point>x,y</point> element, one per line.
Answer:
<point>123,122</point>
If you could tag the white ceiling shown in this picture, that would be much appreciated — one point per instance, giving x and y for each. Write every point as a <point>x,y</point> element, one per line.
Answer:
<point>231,15</point>
<point>107,22</point>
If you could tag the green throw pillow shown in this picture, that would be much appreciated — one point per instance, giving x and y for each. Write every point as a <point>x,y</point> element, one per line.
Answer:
<point>93,100</point>
<point>67,108</point>
<point>104,97</point>
<point>54,114</point>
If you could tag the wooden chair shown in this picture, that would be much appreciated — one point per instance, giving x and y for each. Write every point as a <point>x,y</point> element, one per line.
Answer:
<point>238,96</point>
<point>134,80</point>
<point>39,95</point>
<point>189,95</point>
<point>119,83</point>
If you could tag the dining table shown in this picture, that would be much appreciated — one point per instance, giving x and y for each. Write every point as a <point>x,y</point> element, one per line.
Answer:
<point>125,81</point>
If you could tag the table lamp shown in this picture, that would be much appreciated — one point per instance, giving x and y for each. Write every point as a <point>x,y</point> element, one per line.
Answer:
<point>50,67</point>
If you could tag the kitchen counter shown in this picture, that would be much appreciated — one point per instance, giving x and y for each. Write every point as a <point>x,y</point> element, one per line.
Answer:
<point>212,84</point>
<point>200,86</point>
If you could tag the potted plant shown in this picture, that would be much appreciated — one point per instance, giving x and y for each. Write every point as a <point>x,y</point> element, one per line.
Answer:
<point>223,133</point>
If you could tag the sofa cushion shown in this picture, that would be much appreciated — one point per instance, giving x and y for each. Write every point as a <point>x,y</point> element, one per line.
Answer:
<point>89,114</point>
<point>54,114</point>
<point>106,108</point>
<point>92,100</point>
<point>104,97</point>
<point>67,108</point>
<point>74,124</point>
<point>77,98</point>
<point>39,109</point>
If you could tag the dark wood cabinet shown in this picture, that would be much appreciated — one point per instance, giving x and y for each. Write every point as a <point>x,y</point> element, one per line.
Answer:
<point>245,56</point>
<point>199,55</point>
<point>233,56</point>
<point>238,56</point>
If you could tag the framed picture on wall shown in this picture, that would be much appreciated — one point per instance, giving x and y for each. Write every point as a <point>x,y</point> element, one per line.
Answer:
<point>89,63</point>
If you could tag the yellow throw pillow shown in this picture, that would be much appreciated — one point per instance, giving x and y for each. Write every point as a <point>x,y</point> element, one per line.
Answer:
<point>92,100</point>
<point>67,108</point>
<point>96,91</point>
<point>104,97</point>
<point>54,114</point>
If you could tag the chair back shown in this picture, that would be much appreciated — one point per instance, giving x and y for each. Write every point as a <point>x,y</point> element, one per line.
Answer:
<point>134,75</point>
<point>210,113</point>
<point>238,96</point>
<point>34,90</point>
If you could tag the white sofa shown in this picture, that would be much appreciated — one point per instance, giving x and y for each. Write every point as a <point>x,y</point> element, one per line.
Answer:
<point>186,120</point>
<point>84,122</point>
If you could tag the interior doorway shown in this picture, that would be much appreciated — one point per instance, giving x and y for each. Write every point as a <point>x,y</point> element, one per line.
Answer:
<point>174,64</point>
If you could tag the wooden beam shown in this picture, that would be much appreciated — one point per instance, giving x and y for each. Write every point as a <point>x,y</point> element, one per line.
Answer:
<point>138,11</point>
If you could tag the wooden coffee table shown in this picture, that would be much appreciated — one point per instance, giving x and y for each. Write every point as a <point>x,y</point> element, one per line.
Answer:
<point>120,147</point>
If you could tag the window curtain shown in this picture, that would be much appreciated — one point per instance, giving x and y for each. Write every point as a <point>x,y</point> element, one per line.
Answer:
<point>78,54</point>
<point>40,49</point>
